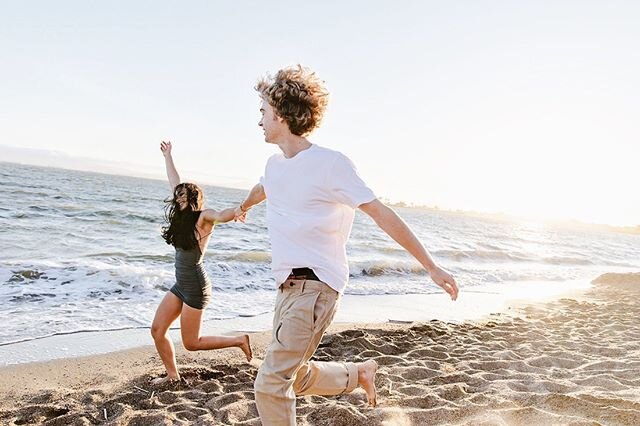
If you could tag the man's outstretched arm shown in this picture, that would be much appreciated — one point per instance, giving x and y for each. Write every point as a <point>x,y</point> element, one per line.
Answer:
<point>397,229</point>
<point>255,196</point>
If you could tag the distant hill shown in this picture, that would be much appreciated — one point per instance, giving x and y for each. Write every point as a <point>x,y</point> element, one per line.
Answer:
<point>50,158</point>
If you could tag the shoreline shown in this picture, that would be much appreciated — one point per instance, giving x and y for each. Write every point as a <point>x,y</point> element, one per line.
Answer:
<point>568,360</point>
<point>355,310</point>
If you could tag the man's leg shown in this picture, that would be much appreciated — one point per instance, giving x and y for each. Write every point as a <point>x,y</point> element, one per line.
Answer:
<point>329,378</point>
<point>324,378</point>
<point>303,312</point>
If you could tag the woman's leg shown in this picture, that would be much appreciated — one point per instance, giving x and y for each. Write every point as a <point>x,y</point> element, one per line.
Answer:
<point>190,322</point>
<point>167,312</point>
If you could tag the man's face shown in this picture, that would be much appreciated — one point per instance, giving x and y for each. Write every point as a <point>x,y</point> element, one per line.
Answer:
<point>272,125</point>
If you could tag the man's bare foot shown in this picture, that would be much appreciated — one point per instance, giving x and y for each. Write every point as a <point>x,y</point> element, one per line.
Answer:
<point>246,347</point>
<point>159,381</point>
<point>367,380</point>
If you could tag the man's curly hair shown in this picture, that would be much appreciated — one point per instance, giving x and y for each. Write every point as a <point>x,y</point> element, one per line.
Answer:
<point>298,96</point>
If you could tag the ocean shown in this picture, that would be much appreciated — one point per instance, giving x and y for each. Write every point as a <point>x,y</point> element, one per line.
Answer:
<point>82,252</point>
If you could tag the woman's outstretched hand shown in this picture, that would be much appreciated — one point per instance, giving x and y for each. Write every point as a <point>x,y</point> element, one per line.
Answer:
<point>165,147</point>
<point>240,215</point>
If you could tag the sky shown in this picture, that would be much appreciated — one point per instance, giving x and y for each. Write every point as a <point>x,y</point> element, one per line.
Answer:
<point>526,108</point>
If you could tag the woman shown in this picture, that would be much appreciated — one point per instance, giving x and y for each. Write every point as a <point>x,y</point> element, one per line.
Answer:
<point>188,229</point>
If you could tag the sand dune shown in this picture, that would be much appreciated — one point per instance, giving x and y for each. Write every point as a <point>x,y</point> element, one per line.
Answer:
<point>567,362</point>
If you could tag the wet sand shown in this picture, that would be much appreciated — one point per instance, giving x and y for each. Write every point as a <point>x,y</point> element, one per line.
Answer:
<point>572,361</point>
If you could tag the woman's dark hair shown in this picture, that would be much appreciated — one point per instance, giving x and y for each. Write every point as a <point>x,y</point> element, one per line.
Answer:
<point>181,228</point>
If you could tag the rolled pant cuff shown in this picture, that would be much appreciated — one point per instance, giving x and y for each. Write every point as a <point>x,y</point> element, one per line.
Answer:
<point>352,380</point>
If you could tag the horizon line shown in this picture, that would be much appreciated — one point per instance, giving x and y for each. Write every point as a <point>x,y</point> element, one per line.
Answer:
<point>630,229</point>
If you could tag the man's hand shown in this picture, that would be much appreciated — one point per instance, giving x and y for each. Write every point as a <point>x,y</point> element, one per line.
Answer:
<point>395,227</point>
<point>445,280</point>
<point>255,196</point>
<point>165,147</point>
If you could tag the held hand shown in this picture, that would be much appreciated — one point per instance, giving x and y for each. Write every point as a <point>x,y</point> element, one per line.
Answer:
<point>239,215</point>
<point>446,281</point>
<point>165,147</point>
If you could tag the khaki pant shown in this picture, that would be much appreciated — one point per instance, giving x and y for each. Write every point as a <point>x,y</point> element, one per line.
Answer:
<point>304,310</point>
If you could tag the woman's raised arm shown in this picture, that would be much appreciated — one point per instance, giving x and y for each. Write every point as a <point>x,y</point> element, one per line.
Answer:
<point>172,173</point>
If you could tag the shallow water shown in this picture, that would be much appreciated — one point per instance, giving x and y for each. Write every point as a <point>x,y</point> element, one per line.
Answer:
<point>82,251</point>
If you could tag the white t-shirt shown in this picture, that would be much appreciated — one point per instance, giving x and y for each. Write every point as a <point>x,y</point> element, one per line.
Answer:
<point>311,202</point>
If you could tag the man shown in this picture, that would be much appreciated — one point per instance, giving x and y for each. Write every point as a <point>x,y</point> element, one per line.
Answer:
<point>312,195</point>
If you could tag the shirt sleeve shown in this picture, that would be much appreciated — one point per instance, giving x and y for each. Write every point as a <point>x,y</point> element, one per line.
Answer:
<point>263,178</point>
<point>345,184</point>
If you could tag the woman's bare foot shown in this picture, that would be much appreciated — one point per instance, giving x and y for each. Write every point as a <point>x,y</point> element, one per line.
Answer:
<point>367,380</point>
<point>160,381</point>
<point>246,347</point>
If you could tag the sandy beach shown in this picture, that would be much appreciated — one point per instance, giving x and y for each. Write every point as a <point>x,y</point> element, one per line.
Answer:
<point>571,361</point>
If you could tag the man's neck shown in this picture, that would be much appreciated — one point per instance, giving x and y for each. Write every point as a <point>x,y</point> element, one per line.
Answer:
<point>293,145</point>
